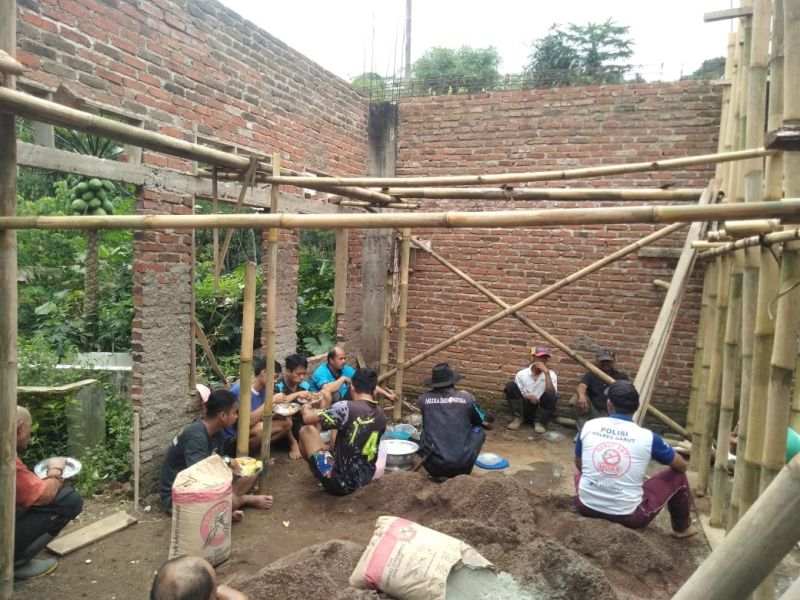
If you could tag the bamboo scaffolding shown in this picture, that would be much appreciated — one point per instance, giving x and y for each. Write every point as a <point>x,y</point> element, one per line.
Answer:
<point>697,364</point>
<point>542,333</point>
<point>650,365</point>
<point>599,194</point>
<point>622,252</point>
<point>754,547</point>
<point>730,362</point>
<point>712,396</point>
<point>8,313</point>
<point>10,65</point>
<point>386,335</point>
<point>246,360</point>
<point>340,274</point>
<point>215,231</point>
<point>365,204</point>
<point>788,210</point>
<point>787,319</point>
<point>270,332</point>
<point>738,229</point>
<point>402,323</point>
<point>770,239</point>
<point>502,178</point>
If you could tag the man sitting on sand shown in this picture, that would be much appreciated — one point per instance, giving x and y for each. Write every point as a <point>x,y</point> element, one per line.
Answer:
<point>190,578</point>
<point>281,426</point>
<point>360,423</point>
<point>612,455</point>
<point>201,439</point>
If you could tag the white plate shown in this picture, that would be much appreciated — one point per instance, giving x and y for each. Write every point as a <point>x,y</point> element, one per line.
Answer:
<point>286,409</point>
<point>489,458</point>
<point>73,467</point>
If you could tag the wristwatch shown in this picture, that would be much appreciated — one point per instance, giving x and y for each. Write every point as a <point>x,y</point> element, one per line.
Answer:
<point>227,460</point>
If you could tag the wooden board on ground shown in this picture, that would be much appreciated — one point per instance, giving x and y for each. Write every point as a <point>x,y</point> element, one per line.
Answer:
<point>91,533</point>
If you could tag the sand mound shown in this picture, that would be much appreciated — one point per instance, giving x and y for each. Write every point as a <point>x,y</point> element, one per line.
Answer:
<point>538,538</point>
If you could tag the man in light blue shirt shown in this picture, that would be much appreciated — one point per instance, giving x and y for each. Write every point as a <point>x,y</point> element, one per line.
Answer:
<point>334,376</point>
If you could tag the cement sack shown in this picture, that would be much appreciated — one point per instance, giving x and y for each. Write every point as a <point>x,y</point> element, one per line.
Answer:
<point>201,511</point>
<point>411,562</point>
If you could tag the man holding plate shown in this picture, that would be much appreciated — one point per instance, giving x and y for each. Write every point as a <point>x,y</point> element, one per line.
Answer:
<point>43,507</point>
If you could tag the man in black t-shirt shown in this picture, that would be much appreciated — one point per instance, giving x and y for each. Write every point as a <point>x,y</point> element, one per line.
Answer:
<point>451,425</point>
<point>592,390</point>
<point>201,439</point>
<point>360,423</point>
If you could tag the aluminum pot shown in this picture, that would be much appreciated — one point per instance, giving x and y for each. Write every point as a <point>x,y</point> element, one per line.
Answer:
<point>399,454</point>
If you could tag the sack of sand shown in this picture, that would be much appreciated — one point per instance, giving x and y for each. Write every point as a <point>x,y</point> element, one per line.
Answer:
<point>411,562</point>
<point>201,511</point>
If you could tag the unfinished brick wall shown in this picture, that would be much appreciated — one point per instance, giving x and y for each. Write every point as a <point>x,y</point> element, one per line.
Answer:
<point>551,130</point>
<point>186,69</point>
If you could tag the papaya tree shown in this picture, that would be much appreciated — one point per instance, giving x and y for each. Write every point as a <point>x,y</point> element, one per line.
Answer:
<point>90,196</point>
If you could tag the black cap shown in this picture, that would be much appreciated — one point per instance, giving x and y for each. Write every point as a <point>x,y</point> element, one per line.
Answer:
<point>623,396</point>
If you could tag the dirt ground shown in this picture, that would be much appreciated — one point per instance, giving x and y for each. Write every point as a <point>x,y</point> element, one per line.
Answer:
<point>306,546</point>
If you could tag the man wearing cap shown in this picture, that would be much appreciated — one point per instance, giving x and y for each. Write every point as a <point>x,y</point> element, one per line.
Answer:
<point>592,389</point>
<point>533,394</point>
<point>612,455</point>
<point>451,425</point>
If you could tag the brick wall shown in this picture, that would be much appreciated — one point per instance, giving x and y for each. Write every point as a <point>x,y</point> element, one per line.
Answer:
<point>552,130</point>
<point>188,68</point>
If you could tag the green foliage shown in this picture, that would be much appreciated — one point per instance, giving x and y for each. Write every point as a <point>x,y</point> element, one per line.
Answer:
<point>713,68</point>
<point>443,71</point>
<point>579,55</point>
<point>369,81</point>
<point>87,143</point>
<point>316,321</point>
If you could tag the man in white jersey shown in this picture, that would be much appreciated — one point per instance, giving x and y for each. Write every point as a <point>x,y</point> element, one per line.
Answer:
<point>612,455</point>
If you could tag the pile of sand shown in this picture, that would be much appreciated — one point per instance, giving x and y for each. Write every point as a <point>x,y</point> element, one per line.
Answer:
<point>538,538</point>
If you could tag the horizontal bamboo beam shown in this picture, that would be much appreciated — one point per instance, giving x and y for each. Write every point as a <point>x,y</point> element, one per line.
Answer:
<point>617,195</point>
<point>502,178</point>
<point>728,13</point>
<point>788,210</point>
<point>364,204</point>
<point>769,239</point>
<point>750,227</point>
<point>10,65</point>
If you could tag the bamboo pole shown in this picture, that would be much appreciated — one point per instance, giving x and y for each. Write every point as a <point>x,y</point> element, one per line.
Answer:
<point>215,231</point>
<point>365,204</point>
<point>726,118</point>
<point>694,388</point>
<point>785,348</point>
<point>9,65</point>
<point>622,252</point>
<point>246,360</point>
<point>496,179</point>
<point>754,547</point>
<point>402,322</point>
<point>712,397</point>
<point>737,229</point>
<point>730,362</point>
<point>769,239</point>
<point>709,335</point>
<point>510,193</point>
<point>201,337</point>
<point>8,314</point>
<point>387,323</point>
<point>270,329</point>
<point>794,420</point>
<point>788,209</point>
<point>340,274</point>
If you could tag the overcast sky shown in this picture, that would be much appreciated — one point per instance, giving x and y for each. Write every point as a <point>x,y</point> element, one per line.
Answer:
<point>349,37</point>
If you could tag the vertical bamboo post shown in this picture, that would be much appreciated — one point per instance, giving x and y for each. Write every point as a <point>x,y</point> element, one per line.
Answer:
<point>730,362</point>
<point>708,302</point>
<point>697,390</point>
<point>402,322</point>
<point>215,231</point>
<point>340,274</point>
<point>270,328</point>
<point>246,360</point>
<point>136,459</point>
<point>386,336</point>
<point>754,547</point>
<point>714,372</point>
<point>794,420</point>
<point>8,314</point>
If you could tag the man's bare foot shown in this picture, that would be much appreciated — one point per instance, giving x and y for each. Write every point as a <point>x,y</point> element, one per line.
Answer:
<point>237,516</point>
<point>257,501</point>
<point>686,533</point>
<point>294,452</point>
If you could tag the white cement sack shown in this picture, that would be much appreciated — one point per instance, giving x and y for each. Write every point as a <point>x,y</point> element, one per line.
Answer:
<point>201,511</point>
<point>411,562</point>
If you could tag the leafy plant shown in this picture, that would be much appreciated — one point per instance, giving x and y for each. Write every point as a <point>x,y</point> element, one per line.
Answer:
<point>443,71</point>
<point>316,321</point>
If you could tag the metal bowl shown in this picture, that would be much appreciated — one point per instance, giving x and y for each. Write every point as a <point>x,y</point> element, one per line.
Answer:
<point>72,468</point>
<point>399,454</point>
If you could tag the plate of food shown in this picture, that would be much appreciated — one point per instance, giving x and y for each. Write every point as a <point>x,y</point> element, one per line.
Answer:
<point>313,399</point>
<point>73,467</point>
<point>249,466</point>
<point>286,409</point>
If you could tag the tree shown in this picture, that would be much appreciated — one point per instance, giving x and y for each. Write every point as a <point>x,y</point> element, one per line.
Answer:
<point>713,68</point>
<point>579,55</point>
<point>442,71</point>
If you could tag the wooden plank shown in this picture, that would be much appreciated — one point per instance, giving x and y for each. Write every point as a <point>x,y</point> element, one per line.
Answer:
<point>654,353</point>
<point>728,13</point>
<point>57,389</point>
<point>84,536</point>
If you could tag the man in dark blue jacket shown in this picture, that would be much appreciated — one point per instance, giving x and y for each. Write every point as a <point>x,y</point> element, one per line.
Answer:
<point>451,419</point>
